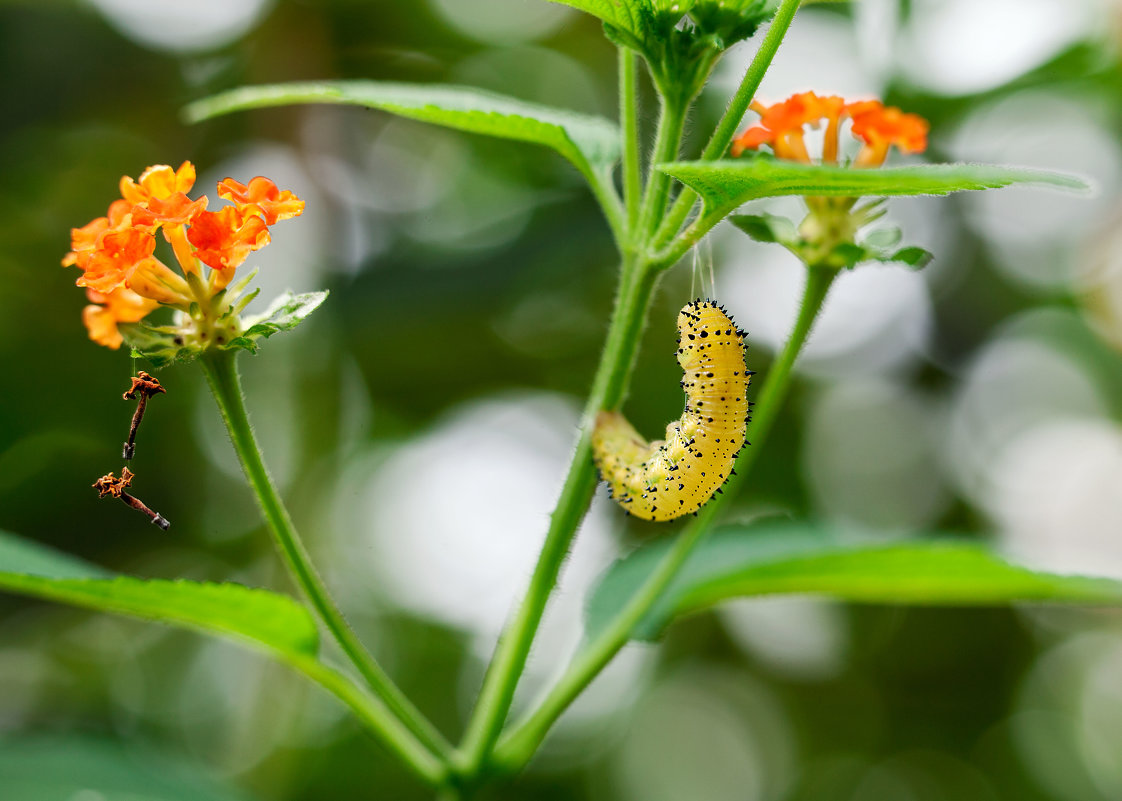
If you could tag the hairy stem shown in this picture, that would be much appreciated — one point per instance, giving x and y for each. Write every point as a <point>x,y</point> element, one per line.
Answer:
<point>629,128</point>
<point>519,746</point>
<point>600,181</point>
<point>222,375</point>
<point>609,388</point>
<point>734,113</point>
<point>668,140</point>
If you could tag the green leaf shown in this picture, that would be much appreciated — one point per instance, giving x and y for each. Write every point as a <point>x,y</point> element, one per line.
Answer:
<point>286,312</point>
<point>50,768</point>
<point>790,558</point>
<point>255,617</point>
<point>633,16</point>
<point>883,238</point>
<point>590,143</point>
<point>914,257</point>
<point>19,555</point>
<point>725,185</point>
<point>849,254</point>
<point>769,228</point>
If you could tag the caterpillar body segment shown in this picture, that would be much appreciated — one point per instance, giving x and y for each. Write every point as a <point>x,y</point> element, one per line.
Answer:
<point>675,476</point>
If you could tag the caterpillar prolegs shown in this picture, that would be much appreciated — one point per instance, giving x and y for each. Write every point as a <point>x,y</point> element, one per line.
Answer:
<point>665,479</point>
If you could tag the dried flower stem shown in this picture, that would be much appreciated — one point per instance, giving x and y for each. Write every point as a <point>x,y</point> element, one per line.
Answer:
<point>143,387</point>
<point>115,487</point>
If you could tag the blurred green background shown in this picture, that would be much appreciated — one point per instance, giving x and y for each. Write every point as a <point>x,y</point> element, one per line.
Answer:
<point>420,423</point>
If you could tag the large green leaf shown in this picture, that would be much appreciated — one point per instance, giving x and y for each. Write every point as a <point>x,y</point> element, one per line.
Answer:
<point>79,767</point>
<point>788,558</point>
<point>264,620</point>
<point>632,16</point>
<point>725,185</point>
<point>255,617</point>
<point>590,143</point>
<point>19,555</point>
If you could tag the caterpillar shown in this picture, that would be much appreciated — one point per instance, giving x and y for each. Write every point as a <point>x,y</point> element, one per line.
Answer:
<point>665,479</point>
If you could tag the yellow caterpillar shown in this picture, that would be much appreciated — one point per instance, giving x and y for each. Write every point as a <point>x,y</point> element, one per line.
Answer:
<point>669,478</point>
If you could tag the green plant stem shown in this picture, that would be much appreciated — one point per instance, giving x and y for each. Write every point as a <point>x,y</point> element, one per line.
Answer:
<point>722,135</point>
<point>637,285</point>
<point>222,375</point>
<point>679,247</point>
<point>515,749</point>
<point>629,128</point>
<point>600,182</point>
<point>379,720</point>
<point>668,140</point>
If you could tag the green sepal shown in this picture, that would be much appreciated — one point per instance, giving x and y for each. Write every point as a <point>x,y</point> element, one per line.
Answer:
<point>878,245</point>
<point>160,345</point>
<point>286,312</point>
<point>239,307</point>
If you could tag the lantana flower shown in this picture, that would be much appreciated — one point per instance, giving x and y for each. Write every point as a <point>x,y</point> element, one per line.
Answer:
<point>875,125</point>
<point>827,237</point>
<point>124,277</point>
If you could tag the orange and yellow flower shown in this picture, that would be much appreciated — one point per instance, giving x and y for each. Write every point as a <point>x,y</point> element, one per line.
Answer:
<point>224,239</point>
<point>263,197</point>
<point>828,236</point>
<point>125,279</point>
<point>878,127</point>
<point>108,309</point>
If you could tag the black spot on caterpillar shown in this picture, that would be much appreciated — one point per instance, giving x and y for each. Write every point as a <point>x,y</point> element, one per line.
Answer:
<point>665,479</point>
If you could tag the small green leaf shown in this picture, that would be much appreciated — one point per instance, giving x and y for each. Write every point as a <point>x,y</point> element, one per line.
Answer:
<point>849,255</point>
<point>259,618</point>
<point>914,257</point>
<point>775,557</point>
<point>286,312</point>
<point>882,238</point>
<point>767,228</point>
<point>725,185</point>
<point>590,143</point>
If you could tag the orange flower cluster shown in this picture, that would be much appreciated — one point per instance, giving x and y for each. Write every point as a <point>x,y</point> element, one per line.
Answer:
<point>123,278</point>
<point>877,126</point>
